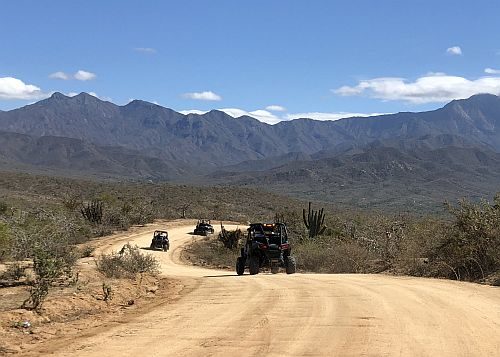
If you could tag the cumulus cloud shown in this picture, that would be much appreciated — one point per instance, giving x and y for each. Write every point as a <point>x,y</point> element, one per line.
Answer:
<point>146,50</point>
<point>269,118</point>
<point>59,75</point>
<point>206,95</point>
<point>82,75</point>
<point>276,108</point>
<point>491,71</point>
<point>454,51</point>
<point>13,88</point>
<point>437,88</point>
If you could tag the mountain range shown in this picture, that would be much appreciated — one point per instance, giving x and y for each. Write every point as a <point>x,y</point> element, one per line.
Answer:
<point>388,160</point>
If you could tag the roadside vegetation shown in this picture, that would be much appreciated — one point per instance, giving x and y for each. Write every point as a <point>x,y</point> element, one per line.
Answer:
<point>47,223</point>
<point>463,246</point>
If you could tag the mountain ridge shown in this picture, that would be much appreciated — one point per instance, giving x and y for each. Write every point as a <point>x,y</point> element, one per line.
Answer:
<point>215,138</point>
<point>396,159</point>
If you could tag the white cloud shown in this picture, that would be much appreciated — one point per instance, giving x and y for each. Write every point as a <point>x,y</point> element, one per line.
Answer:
<point>260,114</point>
<point>13,88</point>
<point>193,111</point>
<point>491,71</point>
<point>206,95</point>
<point>146,50</point>
<point>82,75</point>
<point>263,116</point>
<point>329,116</point>
<point>276,108</point>
<point>59,75</point>
<point>269,118</point>
<point>454,51</point>
<point>438,88</point>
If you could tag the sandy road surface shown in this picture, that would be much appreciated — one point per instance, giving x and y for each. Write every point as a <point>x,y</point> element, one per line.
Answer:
<point>221,314</point>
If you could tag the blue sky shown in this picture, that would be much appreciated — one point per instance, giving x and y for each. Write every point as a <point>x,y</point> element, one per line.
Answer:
<point>275,59</point>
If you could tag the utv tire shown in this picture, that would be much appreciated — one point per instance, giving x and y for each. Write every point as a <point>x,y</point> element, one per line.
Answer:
<point>240,266</point>
<point>291,265</point>
<point>152,246</point>
<point>165,248</point>
<point>254,265</point>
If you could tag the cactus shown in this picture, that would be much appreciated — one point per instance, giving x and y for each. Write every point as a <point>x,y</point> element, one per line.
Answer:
<point>314,222</point>
<point>92,212</point>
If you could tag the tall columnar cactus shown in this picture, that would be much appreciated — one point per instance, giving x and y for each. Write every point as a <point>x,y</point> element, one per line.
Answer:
<point>92,212</point>
<point>314,222</point>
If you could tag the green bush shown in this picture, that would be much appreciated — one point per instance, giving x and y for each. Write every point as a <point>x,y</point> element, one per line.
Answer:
<point>324,256</point>
<point>5,241</point>
<point>472,248</point>
<point>52,260</point>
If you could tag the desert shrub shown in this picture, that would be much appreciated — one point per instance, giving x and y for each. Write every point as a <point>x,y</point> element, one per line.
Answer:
<point>72,202</point>
<point>418,245</point>
<point>36,229</point>
<point>128,262</point>
<point>15,271</point>
<point>86,251</point>
<point>3,207</point>
<point>5,241</point>
<point>472,248</point>
<point>116,219</point>
<point>332,256</point>
<point>52,261</point>
<point>210,251</point>
<point>140,214</point>
<point>230,239</point>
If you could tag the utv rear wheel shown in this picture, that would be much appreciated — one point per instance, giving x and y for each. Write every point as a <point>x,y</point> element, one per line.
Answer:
<point>254,265</point>
<point>240,266</point>
<point>291,265</point>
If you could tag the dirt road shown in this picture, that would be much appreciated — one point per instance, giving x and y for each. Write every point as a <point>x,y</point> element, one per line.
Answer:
<point>221,314</point>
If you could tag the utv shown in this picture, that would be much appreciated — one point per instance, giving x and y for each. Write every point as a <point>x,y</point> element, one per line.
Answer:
<point>160,241</point>
<point>204,228</point>
<point>266,246</point>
